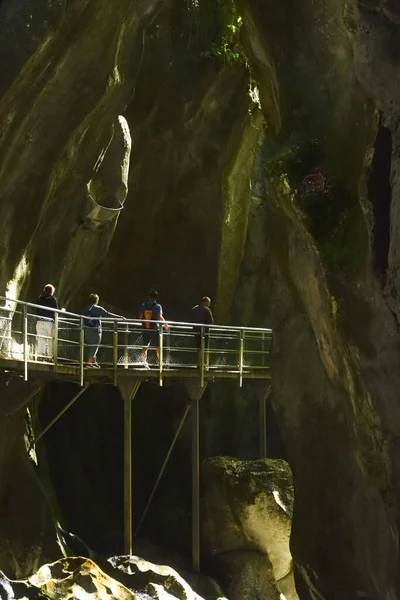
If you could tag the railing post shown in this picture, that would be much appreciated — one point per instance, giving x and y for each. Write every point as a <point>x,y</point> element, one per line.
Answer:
<point>25,340</point>
<point>160,354</point>
<point>55,339</point>
<point>202,356</point>
<point>81,350</point>
<point>263,361</point>
<point>241,357</point>
<point>126,342</point>
<point>115,350</point>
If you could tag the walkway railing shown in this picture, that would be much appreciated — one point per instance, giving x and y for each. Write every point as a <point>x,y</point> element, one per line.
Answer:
<point>206,350</point>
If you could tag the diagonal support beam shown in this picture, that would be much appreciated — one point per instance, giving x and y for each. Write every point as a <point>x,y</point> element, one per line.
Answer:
<point>172,446</point>
<point>24,402</point>
<point>59,415</point>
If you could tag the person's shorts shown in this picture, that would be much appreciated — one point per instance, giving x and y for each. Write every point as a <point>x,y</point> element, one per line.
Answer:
<point>150,337</point>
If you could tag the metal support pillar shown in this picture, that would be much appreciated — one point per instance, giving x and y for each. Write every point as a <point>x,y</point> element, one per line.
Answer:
<point>263,393</point>
<point>128,389</point>
<point>195,391</point>
<point>60,414</point>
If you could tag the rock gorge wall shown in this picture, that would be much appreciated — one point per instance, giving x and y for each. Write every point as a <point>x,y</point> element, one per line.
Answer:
<point>310,246</point>
<point>331,265</point>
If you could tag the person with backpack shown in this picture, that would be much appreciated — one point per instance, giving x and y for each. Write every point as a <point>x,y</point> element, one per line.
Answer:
<point>45,322</point>
<point>201,313</point>
<point>93,329</point>
<point>151,311</point>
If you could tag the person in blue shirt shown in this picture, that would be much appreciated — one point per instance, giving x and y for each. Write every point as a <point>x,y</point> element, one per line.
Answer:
<point>151,311</point>
<point>93,328</point>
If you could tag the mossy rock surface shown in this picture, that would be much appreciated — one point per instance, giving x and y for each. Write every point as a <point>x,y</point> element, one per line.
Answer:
<point>246,509</point>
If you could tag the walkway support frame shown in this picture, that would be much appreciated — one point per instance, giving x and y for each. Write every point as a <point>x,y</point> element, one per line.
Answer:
<point>60,414</point>
<point>172,446</point>
<point>263,391</point>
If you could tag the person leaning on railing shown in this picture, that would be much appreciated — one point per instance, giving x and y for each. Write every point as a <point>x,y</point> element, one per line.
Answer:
<point>45,322</point>
<point>201,313</point>
<point>93,329</point>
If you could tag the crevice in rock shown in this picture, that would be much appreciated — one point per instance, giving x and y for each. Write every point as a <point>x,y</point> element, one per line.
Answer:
<point>380,195</point>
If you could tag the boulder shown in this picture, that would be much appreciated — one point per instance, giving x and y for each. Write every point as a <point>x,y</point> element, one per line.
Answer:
<point>122,577</point>
<point>247,508</point>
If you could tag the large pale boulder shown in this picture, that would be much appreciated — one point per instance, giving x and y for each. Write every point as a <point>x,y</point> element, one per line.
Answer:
<point>79,578</point>
<point>247,508</point>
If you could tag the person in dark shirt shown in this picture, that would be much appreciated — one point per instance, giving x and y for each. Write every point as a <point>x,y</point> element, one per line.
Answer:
<point>201,313</point>
<point>45,322</point>
<point>151,311</point>
<point>93,328</point>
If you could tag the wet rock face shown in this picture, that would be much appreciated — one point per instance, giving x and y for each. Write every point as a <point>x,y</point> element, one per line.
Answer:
<point>246,521</point>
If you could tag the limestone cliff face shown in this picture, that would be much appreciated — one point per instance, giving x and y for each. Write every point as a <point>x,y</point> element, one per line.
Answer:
<point>330,217</point>
<point>68,82</point>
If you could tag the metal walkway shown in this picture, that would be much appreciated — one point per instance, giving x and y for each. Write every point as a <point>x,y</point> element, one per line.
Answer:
<point>43,349</point>
<point>56,348</point>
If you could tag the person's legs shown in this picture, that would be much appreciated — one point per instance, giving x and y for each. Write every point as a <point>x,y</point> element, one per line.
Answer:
<point>48,340</point>
<point>98,342</point>
<point>92,343</point>
<point>146,339</point>
<point>156,343</point>
<point>197,345</point>
<point>88,350</point>
<point>51,340</point>
<point>40,341</point>
<point>206,350</point>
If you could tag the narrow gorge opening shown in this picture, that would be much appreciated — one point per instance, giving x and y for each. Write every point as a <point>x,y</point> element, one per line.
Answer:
<point>380,195</point>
